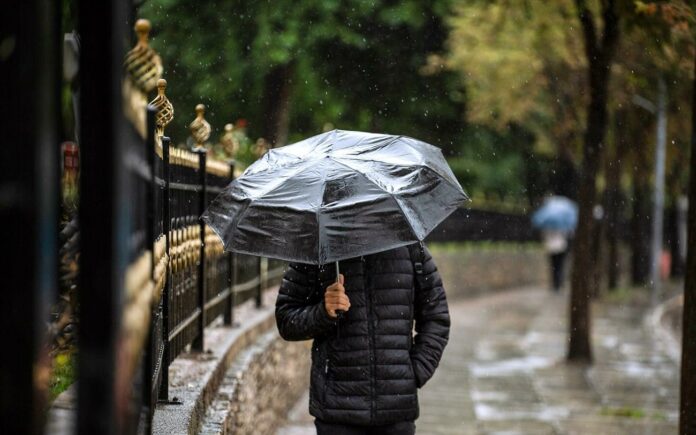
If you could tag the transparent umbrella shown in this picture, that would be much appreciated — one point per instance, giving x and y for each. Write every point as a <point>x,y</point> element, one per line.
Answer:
<point>334,196</point>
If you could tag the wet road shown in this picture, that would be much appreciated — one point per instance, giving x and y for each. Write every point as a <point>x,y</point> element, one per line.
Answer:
<point>503,372</point>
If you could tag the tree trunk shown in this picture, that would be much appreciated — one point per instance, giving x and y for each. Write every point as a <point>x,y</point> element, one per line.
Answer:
<point>565,181</point>
<point>614,200</point>
<point>598,249</point>
<point>579,348</point>
<point>276,104</point>
<point>687,413</point>
<point>599,56</point>
<point>640,221</point>
<point>598,231</point>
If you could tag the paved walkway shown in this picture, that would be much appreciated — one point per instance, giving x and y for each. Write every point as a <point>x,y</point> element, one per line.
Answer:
<point>503,372</point>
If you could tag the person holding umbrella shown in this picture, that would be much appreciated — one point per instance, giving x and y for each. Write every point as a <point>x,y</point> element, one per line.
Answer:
<point>556,219</point>
<point>365,380</point>
<point>349,210</point>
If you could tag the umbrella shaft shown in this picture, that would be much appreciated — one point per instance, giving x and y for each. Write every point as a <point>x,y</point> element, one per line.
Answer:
<point>339,313</point>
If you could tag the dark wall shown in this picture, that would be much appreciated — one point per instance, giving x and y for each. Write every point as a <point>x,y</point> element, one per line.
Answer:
<point>478,225</point>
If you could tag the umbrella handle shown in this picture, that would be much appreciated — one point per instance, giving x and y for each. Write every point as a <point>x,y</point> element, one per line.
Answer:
<point>339,313</point>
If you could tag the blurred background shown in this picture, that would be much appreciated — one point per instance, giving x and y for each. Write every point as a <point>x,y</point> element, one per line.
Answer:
<point>590,100</point>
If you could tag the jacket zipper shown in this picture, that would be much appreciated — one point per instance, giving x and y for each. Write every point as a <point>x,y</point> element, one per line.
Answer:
<point>414,288</point>
<point>371,333</point>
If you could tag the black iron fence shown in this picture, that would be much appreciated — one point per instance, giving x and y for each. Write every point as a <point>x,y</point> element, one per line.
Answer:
<point>151,276</point>
<point>467,224</point>
<point>181,271</point>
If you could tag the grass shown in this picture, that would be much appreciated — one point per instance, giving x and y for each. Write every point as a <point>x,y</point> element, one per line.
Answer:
<point>502,205</point>
<point>63,374</point>
<point>487,246</point>
<point>629,412</point>
<point>622,295</point>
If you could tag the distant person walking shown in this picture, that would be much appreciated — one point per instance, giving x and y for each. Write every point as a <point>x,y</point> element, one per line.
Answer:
<point>556,245</point>
<point>557,219</point>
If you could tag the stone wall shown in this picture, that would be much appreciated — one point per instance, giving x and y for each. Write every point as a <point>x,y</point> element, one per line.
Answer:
<point>260,387</point>
<point>469,270</point>
<point>244,382</point>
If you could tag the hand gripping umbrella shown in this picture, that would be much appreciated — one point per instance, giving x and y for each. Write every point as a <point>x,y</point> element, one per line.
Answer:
<point>334,196</point>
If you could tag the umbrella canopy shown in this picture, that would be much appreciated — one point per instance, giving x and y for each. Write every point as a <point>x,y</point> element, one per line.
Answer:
<point>557,213</point>
<point>337,195</point>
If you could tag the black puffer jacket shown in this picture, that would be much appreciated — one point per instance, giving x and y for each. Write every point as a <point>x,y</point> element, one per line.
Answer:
<point>368,375</point>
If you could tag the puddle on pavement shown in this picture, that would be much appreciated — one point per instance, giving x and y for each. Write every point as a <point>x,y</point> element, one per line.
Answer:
<point>498,349</point>
<point>489,396</point>
<point>610,341</point>
<point>631,368</point>
<point>640,370</point>
<point>631,349</point>
<point>510,367</point>
<point>487,412</point>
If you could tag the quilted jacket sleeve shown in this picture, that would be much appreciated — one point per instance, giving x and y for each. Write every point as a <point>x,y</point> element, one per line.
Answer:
<point>300,312</point>
<point>432,322</point>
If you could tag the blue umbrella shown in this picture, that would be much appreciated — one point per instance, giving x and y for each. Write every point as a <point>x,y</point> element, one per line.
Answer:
<point>557,213</point>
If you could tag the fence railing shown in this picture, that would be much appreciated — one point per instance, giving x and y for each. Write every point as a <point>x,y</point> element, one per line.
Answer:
<point>191,280</point>
<point>179,279</point>
<point>466,224</point>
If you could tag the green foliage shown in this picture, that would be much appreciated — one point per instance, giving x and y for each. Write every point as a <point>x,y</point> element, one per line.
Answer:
<point>63,374</point>
<point>491,163</point>
<point>511,58</point>
<point>487,246</point>
<point>358,64</point>
<point>525,64</point>
<point>244,155</point>
<point>628,412</point>
<point>71,198</point>
<point>363,65</point>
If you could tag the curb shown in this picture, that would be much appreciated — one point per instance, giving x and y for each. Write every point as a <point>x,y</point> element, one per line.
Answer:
<point>195,378</point>
<point>665,338</point>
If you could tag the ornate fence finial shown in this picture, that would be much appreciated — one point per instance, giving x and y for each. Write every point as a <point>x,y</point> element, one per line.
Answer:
<point>200,128</point>
<point>260,147</point>
<point>143,64</point>
<point>229,142</point>
<point>165,110</point>
<point>143,68</point>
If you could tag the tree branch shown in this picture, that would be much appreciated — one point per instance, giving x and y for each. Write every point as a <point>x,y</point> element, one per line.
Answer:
<point>610,35</point>
<point>588,29</point>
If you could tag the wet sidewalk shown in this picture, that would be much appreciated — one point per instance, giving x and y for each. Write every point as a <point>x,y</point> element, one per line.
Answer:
<point>504,373</point>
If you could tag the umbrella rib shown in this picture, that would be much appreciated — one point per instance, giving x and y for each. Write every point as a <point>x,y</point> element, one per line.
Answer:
<point>398,204</point>
<point>446,180</point>
<point>391,141</point>
<point>318,212</point>
<point>307,164</point>
<point>420,165</point>
<point>404,214</point>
